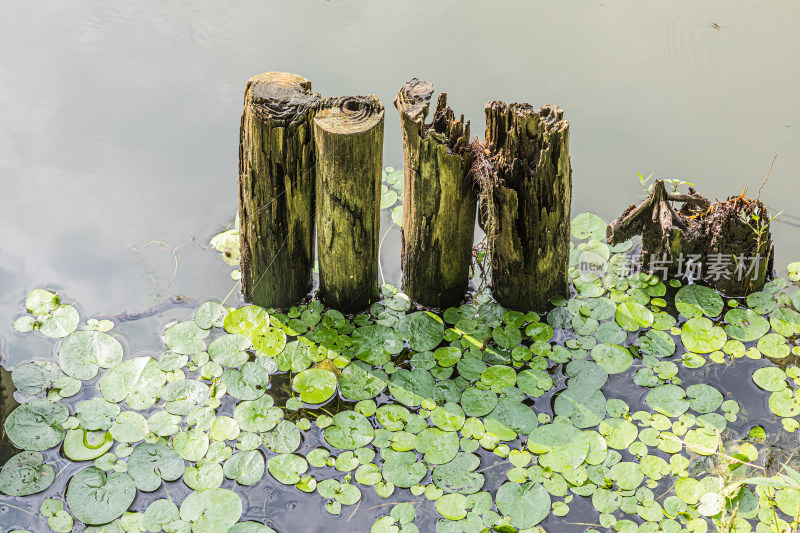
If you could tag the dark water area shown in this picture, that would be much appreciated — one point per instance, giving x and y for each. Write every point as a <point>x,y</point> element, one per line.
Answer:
<point>119,127</point>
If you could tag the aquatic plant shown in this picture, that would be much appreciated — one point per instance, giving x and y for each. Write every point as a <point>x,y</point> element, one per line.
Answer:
<point>601,399</point>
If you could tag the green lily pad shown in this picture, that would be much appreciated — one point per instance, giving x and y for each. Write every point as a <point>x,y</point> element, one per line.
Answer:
<point>612,357</point>
<point>704,398</point>
<point>423,330</point>
<point>526,505</point>
<point>26,474</point>
<point>36,425</point>
<point>669,400</point>
<point>184,395</point>
<point>185,338</point>
<point>35,377</point>
<point>359,381</point>
<point>246,467</point>
<point>82,445</point>
<point>95,498</point>
<point>411,387</point>
<point>770,378</point>
<point>149,463</point>
<point>96,414</point>
<point>588,226</point>
<point>459,474</point>
<point>41,301</point>
<point>229,350</point>
<point>631,316</point>
<point>349,431</point>
<point>559,445</point>
<point>437,446</point>
<point>402,469</point>
<point>287,468</point>
<point>258,416</point>
<point>211,510</point>
<point>315,385</point>
<point>60,323</point>
<point>82,352</point>
<point>700,335</point>
<point>694,301</point>
<point>376,344</point>
<point>745,325</point>
<point>137,381</point>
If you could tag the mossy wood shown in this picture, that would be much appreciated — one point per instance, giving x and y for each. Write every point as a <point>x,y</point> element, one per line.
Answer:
<point>276,189</point>
<point>439,199</point>
<point>527,209</point>
<point>349,138</point>
<point>726,244</point>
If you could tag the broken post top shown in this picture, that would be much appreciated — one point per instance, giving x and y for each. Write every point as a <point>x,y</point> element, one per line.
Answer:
<point>279,95</point>
<point>413,102</point>
<point>507,124</point>
<point>348,115</point>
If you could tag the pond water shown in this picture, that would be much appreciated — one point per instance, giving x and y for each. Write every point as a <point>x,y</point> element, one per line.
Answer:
<point>118,150</point>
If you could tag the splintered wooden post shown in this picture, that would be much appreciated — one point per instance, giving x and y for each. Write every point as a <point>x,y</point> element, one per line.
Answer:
<point>726,244</point>
<point>349,138</point>
<point>276,189</point>
<point>439,200</point>
<point>529,206</point>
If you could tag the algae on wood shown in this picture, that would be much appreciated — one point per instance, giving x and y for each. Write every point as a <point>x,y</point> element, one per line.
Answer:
<point>439,199</point>
<point>276,189</point>
<point>722,244</point>
<point>349,138</point>
<point>526,203</point>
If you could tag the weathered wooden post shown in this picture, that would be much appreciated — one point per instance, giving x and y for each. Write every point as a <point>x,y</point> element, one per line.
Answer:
<point>726,244</point>
<point>349,138</point>
<point>527,203</point>
<point>439,199</point>
<point>276,189</point>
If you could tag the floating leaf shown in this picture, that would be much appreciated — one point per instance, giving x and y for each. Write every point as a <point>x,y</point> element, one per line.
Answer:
<point>185,338</point>
<point>150,463</point>
<point>669,400</point>
<point>60,323</point>
<point>700,335</point>
<point>26,474</point>
<point>770,378</point>
<point>35,377</point>
<point>349,431</point>
<point>459,474</point>
<point>612,357</point>
<point>694,301</point>
<point>95,498</point>
<point>287,468</point>
<point>315,385</point>
<point>527,504</point>
<point>631,316</point>
<point>359,381</point>
<point>82,352</point>
<point>423,330</point>
<point>211,510</point>
<point>36,425</point>
<point>40,301</point>
<point>246,467</point>
<point>411,387</point>
<point>745,325</point>
<point>588,226</point>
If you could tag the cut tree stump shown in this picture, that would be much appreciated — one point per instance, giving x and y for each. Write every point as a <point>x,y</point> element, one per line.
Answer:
<point>525,203</point>
<point>439,199</point>
<point>726,244</point>
<point>349,138</point>
<point>276,189</point>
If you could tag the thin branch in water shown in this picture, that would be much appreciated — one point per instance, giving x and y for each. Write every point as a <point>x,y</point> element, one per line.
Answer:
<point>766,177</point>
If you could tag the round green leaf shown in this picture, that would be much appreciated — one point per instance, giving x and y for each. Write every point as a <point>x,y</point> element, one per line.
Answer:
<point>95,498</point>
<point>82,352</point>
<point>36,425</point>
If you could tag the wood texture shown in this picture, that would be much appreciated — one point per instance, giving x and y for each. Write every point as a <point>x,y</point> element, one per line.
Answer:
<point>721,239</point>
<point>439,201</point>
<point>349,138</point>
<point>276,189</point>
<point>528,157</point>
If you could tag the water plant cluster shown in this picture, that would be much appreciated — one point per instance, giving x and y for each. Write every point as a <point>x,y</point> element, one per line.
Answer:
<point>502,419</point>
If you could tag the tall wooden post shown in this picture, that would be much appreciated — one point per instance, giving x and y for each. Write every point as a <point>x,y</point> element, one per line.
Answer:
<point>349,137</point>
<point>528,153</point>
<point>276,189</point>
<point>439,199</point>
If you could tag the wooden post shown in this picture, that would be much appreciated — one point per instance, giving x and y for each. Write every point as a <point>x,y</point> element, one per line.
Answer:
<point>528,208</point>
<point>276,189</point>
<point>349,137</point>
<point>439,199</point>
<point>730,249</point>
